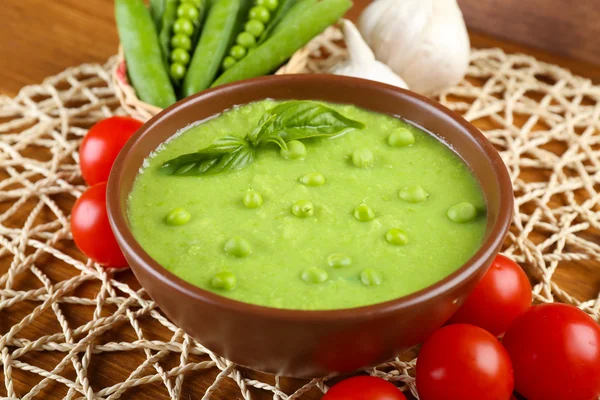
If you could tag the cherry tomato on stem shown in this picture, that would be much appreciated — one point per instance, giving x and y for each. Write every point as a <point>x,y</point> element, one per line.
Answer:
<point>555,351</point>
<point>364,388</point>
<point>91,230</point>
<point>464,362</point>
<point>503,294</point>
<point>101,146</point>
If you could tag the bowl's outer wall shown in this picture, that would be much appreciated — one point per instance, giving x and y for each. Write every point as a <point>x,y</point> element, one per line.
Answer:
<point>311,344</point>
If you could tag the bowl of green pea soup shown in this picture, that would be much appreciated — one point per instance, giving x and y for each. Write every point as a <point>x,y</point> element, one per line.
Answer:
<point>306,225</point>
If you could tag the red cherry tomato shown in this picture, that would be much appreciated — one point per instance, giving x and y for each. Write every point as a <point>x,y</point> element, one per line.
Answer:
<point>101,146</point>
<point>460,362</point>
<point>364,388</point>
<point>555,350</point>
<point>91,230</point>
<point>503,294</point>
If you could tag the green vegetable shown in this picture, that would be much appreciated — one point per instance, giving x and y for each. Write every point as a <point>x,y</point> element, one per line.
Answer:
<point>181,23</point>
<point>178,216</point>
<point>246,40</point>
<point>364,213</point>
<point>295,150</point>
<point>177,71</point>
<point>312,179</point>
<point>188,11</point>
<point>166,30</point>
<point>363,158</point>
<point>413,194</point>
<point>254,27</point>
<point>291,122</point>
<point>338,260</point>
<point>370,277</point>
<point>238,52</point>
<point>397,237</point>
<point>280,13</point>
<point>229,62</point>
<point>142,51</point>
<point>462,213</point>
<point>157,8</point>
<point>252,199</point>
<point>223,280</point>
<point>217,34</point>
<point>238,247</point>
<point>180,56</point>
<point>269,4</point>
<point>260,13</point>
<point>282,44</point>
<point>181,42</point>
<point>314,275</point>
<point>401,137</point>
<point>303,208</point>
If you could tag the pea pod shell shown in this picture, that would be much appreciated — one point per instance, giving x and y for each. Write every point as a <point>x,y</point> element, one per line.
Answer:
<point>142,52</point>
<point>280,13</point>
<point>217,34</point>
<point>286,41</point>
<point>166,31</point>
<point>157,9</point>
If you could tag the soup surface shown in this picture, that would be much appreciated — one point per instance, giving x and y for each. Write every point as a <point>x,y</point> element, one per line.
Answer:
<point>365,217</point>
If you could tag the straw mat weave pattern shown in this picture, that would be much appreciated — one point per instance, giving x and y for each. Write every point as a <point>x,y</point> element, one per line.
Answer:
<point>70,325</point>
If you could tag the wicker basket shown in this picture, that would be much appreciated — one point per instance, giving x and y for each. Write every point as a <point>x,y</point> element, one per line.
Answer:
<point>317,56</point>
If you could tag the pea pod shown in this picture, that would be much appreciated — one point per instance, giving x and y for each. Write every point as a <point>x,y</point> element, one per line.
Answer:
<point>217,34</point>
<point>157,9</point>
<point>168,21</point>
<point>185,31</point>
<point>142,53</point>
<point>293,14</point>
<point>284,42</point>
<point>282,10</point>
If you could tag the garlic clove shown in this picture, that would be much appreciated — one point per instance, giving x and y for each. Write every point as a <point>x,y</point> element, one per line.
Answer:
<point>361,62</point>
<point>424,41</point>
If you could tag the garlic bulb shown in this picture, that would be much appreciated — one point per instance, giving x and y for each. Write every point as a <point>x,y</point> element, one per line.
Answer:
<point>361,62</point>
<point>424,41</point>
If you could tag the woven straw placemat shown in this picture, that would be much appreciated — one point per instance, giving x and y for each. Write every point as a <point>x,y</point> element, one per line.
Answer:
<point>60,314</point>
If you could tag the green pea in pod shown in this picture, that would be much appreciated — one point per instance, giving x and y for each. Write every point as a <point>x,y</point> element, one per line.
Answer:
<point>180,28</point>
<point>289,36</point>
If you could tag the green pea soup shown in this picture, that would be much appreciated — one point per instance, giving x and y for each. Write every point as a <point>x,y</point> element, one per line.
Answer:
<point>365,217</point>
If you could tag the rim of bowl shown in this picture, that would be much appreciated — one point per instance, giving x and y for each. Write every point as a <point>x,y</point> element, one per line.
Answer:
<point>117,215</point>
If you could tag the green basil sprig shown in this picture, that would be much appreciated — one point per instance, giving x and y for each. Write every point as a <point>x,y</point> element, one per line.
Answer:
<point>292,120</point>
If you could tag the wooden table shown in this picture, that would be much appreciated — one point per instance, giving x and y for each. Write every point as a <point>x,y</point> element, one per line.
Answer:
<point>41,38</point>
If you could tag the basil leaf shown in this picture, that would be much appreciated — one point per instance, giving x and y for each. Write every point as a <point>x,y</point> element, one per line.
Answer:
<point>228,153</point>
<point>296,120</point>
<point>292,120</point>
<point>263,130</point>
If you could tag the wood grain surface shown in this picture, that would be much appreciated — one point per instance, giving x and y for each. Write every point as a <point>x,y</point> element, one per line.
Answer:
<point>41,38</point>
<point>563,27</point>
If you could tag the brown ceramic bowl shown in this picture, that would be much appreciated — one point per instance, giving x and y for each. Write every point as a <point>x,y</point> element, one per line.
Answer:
<point>312,343</point>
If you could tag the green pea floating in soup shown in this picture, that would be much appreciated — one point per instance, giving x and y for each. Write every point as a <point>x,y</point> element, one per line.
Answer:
<point>413,194</point>
<point>370,277</point>
<point>178,216</point>
<point>363,158</point>
<point>223,280</point>
<point>296,150</point>
<point>401,137</point>
<point>303,209</point>
<point>314,275</point>
<point>364,213</point>
<point>238,247</point>
<point>313,179</point>
<point>397,237</point>
<point>338,260</point>
<point>252,199</point>
<point>462,213</point>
